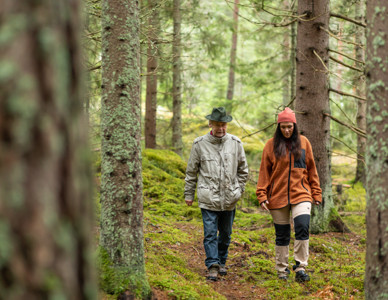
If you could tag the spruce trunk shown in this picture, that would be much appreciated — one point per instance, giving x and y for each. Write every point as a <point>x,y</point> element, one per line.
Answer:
<point>376,271</point>
<point>233,57</point>
<point>121,237</point>
<point>45,176</point>
<point>360,91</point>
<point>152,78</point>
<point>312,101</point>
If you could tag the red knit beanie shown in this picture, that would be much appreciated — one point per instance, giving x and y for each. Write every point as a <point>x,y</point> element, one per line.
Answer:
<point>287,115</point>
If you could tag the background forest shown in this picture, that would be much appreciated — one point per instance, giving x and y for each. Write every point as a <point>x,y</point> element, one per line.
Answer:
<point>145,74</point>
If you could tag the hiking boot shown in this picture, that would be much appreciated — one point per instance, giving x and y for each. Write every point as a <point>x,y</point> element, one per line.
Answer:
<point>301,276</point>
<point>284,276</point>
<point>222,271</point>
<point>213,272</point>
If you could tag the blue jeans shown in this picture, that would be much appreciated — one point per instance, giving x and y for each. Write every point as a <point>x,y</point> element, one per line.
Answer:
<point>216,246</point>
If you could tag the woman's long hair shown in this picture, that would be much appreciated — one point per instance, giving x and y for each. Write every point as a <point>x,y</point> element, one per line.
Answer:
<point>280,143</point>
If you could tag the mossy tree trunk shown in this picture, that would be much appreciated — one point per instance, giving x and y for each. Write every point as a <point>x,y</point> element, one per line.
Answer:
<point>233,57</point>
<point>121,178</point>
<point>376,272</point>
<point>45,176</point>
<point>152,78</point>
<point>312,101</point>
<point>360,91</point>
<point>177,144</point>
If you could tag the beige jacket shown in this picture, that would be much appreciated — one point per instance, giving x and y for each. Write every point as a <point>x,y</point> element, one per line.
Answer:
<point>219,169</point>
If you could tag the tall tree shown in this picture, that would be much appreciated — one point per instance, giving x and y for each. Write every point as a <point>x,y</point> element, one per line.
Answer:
<point>360,90</point>
<point>121,179</point>
<point>233,54</point>
<point>45,176</point>
<point>312,101</point>
<point>376,272</point>
<point>152,79</point>
<point>176,80</point>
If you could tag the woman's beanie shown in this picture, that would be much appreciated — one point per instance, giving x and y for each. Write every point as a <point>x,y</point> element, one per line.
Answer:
<point>287,115</point>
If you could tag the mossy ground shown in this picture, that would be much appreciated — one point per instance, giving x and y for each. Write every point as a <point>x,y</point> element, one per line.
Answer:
<point>175,256</point>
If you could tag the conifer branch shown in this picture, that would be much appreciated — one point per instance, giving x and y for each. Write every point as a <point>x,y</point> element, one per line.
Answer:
<point>347,56</point>
<point>347,94</point>
<point>345,65</point>
<point>339,39</point>
<point>265,128</point>
<point>348,19</point>
<point>358,131</point>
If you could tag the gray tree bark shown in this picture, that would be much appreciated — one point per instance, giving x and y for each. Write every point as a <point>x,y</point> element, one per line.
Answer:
<point>376,271</point>
<point>233,56</point>
<point>121,173</point>
<point>312,100</point>
<point>360,91</point>
<point>45,176</point>
<point>177,144</point>
<point>152,78</point>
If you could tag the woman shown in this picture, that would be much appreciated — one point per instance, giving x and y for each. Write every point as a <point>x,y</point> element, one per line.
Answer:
<point>288,182</point>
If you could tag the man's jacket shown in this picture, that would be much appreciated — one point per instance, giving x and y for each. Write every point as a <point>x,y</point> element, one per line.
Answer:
<point>219,169</point>
<point>287,181</point>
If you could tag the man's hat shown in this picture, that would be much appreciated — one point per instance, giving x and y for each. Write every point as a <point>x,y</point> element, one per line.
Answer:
<point>219,115</point>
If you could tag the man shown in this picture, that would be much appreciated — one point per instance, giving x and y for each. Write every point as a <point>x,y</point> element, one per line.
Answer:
<point>218,168</point>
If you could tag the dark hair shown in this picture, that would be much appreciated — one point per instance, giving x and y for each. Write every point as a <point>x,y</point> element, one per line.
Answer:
<point>280,143</point>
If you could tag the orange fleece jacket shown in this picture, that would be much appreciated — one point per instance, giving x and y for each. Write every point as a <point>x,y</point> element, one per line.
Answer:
<point>286,181</point>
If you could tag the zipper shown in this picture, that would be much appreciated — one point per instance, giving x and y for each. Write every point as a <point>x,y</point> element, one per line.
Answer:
<point>304,187</point>
<point>289,176</point>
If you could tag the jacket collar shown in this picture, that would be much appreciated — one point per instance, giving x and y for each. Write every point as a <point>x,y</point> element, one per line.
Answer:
<point>216,140</point>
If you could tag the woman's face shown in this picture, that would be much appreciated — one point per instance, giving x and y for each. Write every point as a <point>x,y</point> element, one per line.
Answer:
<point>287,128</point>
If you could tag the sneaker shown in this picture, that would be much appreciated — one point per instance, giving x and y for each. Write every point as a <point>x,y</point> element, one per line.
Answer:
<point>213,272</point>
<point>222,271</point>
<point>301,276</point>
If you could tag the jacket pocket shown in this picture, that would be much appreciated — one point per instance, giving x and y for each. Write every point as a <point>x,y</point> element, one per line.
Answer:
<point>204,194</point>
<point>271,190</point>
<point>209,166</point>
<point>232,196</point>
<point>304,186</point>
<point>301,162</point>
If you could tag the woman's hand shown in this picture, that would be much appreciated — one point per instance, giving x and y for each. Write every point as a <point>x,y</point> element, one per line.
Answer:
<point>264,205</point>
<point>317,202</point>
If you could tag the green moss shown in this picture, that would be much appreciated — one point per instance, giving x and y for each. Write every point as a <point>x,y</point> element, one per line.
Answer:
<point>115,280</point>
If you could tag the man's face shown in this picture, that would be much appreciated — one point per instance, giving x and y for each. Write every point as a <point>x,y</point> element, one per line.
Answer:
<point>287,128</point>
<point>218,128</point>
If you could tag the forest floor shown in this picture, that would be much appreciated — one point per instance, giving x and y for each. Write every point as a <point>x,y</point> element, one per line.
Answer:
<point>174,253</point>
<point>241,281</point>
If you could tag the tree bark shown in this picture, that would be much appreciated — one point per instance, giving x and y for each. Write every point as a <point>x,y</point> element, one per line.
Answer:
<point>152,78</point>
<point>376,271</point>
<point>233,55</point>
<point>360,90</point>
<point>45,177</point>
<point>293,60</point>
<point>286,58</point>
<point>312,98</point>
<point>177,145</point>
<point>121,173</point>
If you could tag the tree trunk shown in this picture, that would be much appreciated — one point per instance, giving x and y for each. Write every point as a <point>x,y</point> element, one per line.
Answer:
<point>286,58</point>
<point>312,100</point>
<point>233,55</point>
<point>360,91</point>
<point>176,81</point>
<point>152,79</point>
<point>45,177</point>
<point>376,272</point>
<point>293,60</point>
<point>121,179</point>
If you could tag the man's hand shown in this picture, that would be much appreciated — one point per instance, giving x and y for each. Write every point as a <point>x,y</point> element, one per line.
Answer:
<point>264,205</point>
<point>189,202</point>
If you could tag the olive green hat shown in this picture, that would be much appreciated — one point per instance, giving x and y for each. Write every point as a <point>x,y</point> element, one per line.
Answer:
<point>219,115</point>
